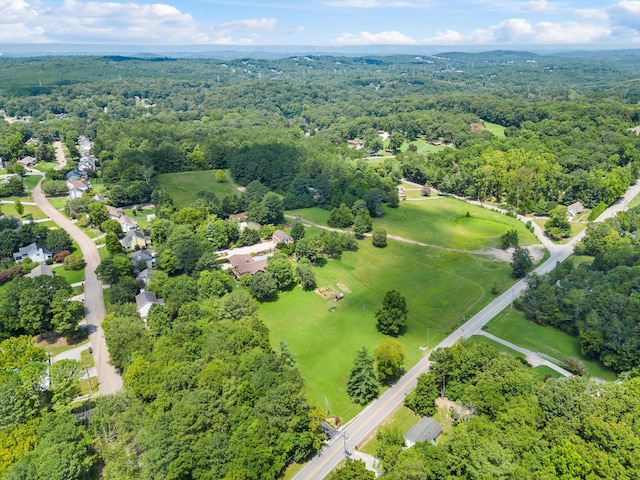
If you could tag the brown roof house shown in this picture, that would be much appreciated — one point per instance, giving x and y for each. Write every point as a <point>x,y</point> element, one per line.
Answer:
<point>144,301</point>
<point>245,263</point>
<point>280,236</point>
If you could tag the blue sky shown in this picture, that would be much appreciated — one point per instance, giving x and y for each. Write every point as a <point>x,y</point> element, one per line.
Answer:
<point>322,22</point>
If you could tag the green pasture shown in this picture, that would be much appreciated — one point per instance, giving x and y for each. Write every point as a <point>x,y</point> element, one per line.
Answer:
<point>441,222</point>
<point>512,326</point>
<point>414,191</point>
<point>444,222</point>
<point>441,287</point>
<point>314,215</point>
<point>183,186</point>
<point>497,130</point>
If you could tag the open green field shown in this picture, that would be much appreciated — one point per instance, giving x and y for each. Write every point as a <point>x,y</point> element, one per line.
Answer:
<point>9,209</point>
<point>441,222</point>
<point>441,287</point>
<point>183,186</point>
<point>512,326</point>
<point>444,222</point>
<point>497,130</point>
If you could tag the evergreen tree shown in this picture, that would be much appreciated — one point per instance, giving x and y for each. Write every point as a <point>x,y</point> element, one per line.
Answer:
<point>363,385</point>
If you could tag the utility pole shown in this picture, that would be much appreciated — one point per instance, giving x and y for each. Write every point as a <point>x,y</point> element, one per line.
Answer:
<point>344,436</point>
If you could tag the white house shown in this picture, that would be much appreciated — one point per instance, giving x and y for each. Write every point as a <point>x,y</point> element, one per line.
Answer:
<point>34,251</point>
<point>144,301</point>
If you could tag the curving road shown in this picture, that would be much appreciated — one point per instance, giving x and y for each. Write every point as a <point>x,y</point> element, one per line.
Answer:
<point>109,381</point>
<point>365,424</point>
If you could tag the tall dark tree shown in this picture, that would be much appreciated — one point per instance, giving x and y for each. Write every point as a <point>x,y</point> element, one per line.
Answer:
<point>363,385</point>
<point>521,262</point>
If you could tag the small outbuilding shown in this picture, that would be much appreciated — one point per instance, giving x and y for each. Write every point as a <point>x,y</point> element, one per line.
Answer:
<point>575,209</point>
<point>427,430</point>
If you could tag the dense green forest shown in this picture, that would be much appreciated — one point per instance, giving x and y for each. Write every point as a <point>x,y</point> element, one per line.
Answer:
<point>206,394</point>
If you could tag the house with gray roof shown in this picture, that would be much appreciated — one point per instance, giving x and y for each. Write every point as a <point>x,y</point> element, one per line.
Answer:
<point>34,251</point>
<point>427,430</point>
<point>144,301</point>
<point>142,256</point>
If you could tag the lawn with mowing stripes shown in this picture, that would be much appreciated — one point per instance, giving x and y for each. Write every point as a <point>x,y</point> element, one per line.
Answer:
<point>512,326</point>
<point>442,222</point>
<point>497,130</point>
<point>184,186</point>
<point>440,287</point>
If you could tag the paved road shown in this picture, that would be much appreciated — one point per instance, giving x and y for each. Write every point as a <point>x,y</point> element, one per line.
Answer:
<point>109,379</point>
<point>362,426</point>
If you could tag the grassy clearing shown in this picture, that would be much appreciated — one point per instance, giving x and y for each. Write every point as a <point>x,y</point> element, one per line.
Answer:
<point>497,130</point>
<point>511,325</point>
<point>9,209</point>
<point>71,276</point>
<point>184,186</point>
<point>45,166</point>
<point>30,181</point>
<point>58,202</point>
<point>315,214</point>
<point>441,287</point>
<point>403,419</point>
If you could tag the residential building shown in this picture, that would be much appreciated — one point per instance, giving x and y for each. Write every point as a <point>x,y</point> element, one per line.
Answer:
<point>245,263</point>
<point>427,430</point>
<point>144,301</point>
<point>134,240</point>
<point>279,236</point>
<point>34,251</point>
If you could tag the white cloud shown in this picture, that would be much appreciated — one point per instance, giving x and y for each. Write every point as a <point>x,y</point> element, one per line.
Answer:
<point>539,6</point>
<point>112,22</point>
<point>626,14</point>
<point>366,38</point>
<point>380,3</point>
<point>250,24</point>
<point>448,37</point>
<point>592,14</point>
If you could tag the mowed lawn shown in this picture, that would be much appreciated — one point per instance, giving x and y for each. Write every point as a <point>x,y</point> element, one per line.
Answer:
<point>512,326</point>
<point>184,186</point>
<point>444,222</point>
<point>441,287</point>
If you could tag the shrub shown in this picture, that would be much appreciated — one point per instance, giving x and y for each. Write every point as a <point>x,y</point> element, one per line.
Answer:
<point>74,263</point>
<point>60,256</point>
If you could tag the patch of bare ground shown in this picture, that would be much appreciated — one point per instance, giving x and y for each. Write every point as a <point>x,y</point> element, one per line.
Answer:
<point>536,252</point>
<point>451,406</point>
